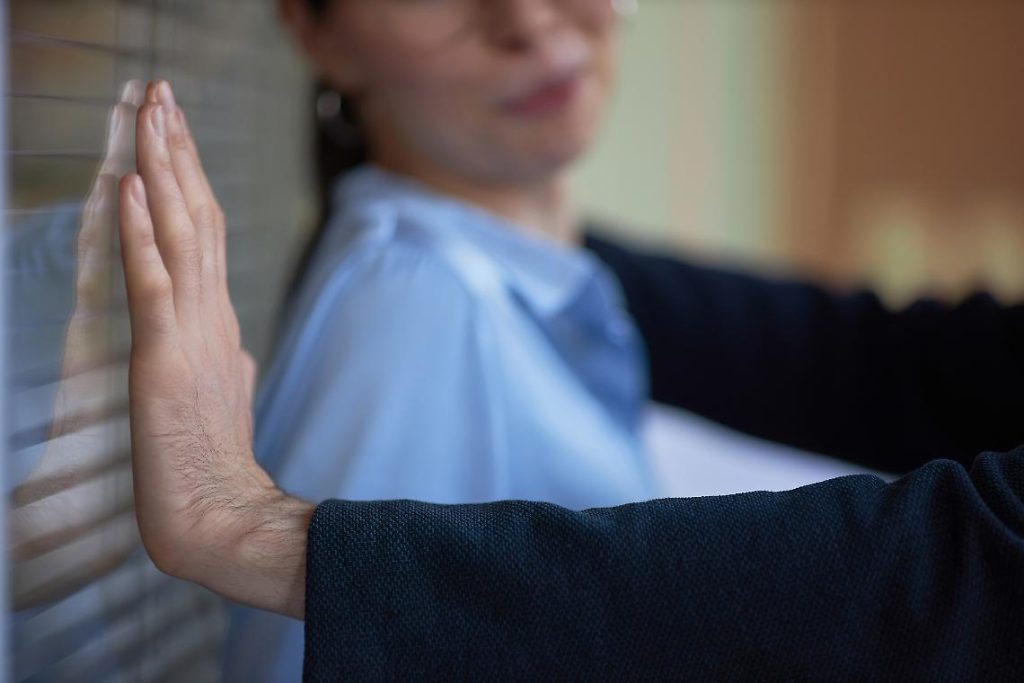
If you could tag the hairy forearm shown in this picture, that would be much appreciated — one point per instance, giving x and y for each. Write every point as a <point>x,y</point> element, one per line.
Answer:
<point>272,558</point>
<point>262,560</point>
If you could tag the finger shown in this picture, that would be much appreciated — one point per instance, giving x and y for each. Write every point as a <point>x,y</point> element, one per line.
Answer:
<point>95,243</point>
<point>86,338</point>
<point>203,208</point>
<point>207,215</point>
<point>150,291</point>
<point>151,94</point>
<point>184,138</point>
<point>119,157</point>
<point>220,234</point>
<point>175,233</point>
<point>210,223</point>
<point>133,92</point>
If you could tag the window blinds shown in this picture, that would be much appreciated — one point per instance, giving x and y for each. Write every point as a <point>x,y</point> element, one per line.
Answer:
<point>4,640</point>
<point>85,603</point>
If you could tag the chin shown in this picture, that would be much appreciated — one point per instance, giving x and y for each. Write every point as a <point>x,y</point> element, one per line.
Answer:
<point>538,151</point>
<point>564,154</point>
<point>562,140</point>
<point>529,164</point>
<point>554,147</point>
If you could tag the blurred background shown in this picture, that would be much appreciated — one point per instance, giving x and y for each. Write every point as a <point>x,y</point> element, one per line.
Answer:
<point>857,142</point>
<point>874,144</point>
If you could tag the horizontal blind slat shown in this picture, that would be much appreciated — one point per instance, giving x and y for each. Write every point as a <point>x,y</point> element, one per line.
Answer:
<point>22,37</point>
<point>73,565</point>
<point>111,595</point>
<point>108,611</point>
<point>87,448</point>
<point>61,517</point>
<point>68,405</point>
<point>121,643</point>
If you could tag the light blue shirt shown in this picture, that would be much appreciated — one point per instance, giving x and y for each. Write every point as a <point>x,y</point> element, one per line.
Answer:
<point>438,353</point>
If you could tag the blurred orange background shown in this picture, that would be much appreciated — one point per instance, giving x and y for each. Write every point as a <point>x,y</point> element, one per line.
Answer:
<point>859,142</point>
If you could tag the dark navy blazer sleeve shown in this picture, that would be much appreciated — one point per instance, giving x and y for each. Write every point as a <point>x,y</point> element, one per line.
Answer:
<point>833,373</point>
<point>850,579</point>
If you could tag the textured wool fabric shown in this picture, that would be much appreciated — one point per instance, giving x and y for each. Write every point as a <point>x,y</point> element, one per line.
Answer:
<point>828,372</point>
<point>850,579</point>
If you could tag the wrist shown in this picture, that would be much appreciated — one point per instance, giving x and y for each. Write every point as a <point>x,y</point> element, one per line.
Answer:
<point>270,557</point>
<point>256,552</point>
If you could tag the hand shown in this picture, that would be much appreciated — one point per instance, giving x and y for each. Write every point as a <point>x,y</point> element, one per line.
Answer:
<point>70,519</point>
<point>206,511</point>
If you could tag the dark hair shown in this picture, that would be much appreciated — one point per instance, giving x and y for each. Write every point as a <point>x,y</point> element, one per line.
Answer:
<point>318,5</point>
<point>339,145</point>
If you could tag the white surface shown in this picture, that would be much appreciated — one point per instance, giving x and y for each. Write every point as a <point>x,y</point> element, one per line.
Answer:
<point>696,457</point>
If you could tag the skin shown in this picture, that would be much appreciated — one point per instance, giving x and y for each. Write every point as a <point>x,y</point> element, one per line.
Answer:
<point>54,505</point>
<point>435,98</point>
<point>207,512</point>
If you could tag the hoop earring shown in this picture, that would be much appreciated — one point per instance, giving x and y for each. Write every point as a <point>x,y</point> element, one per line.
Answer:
<point>335,121</point>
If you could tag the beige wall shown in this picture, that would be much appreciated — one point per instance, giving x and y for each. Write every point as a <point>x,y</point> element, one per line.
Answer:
<point>875,142</point>
<point>690,144</point>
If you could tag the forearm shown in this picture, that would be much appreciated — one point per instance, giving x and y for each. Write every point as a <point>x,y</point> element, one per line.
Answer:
<point>270,572</point>
<point>759,585</point>
<point>846,376</point>
<point>206,510</point>
<point>829,372</point>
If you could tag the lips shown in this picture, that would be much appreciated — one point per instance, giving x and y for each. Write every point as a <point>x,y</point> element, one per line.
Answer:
<point>548,98</point>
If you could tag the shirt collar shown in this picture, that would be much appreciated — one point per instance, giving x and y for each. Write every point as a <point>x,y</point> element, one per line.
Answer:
<point>548,276</point>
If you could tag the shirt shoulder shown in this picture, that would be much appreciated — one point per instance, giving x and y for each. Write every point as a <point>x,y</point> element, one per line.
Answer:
<point>397,267</point>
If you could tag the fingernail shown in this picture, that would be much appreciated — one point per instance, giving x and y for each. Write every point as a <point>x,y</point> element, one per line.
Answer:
<point>159,122</point>
<point>133,92</point>
<point>137,191</point>
<point>166,95</point>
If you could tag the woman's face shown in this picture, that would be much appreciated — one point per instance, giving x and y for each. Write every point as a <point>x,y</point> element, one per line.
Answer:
<point>496,91</point>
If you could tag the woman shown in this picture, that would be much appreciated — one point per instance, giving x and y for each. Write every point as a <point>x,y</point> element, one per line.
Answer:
<point>447,293</point>
<point>747,584</point>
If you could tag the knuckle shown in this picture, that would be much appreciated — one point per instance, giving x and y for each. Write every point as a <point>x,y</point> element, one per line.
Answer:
<point>157,289</point>
<point>186,245</point>
<point>163,164</point>
<point>137,238</point>
<point>145,239</point>
<point>207,216</point>
<point>179,206</point>
<point>89,291</point>
<point>177,141</point>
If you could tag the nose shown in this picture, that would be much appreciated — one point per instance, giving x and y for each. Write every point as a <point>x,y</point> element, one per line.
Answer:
<point>519,24</point>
